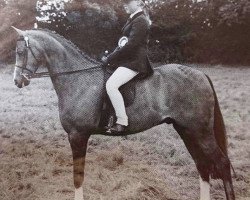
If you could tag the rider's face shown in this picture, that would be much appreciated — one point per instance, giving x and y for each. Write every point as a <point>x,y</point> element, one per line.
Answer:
<point>132,6</point>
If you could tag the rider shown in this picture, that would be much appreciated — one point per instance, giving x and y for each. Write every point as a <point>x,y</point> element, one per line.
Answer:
<point>131,59</point>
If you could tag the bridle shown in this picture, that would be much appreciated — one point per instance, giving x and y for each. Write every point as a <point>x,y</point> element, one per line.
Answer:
<point>33,74</point>
<point>25,42</point>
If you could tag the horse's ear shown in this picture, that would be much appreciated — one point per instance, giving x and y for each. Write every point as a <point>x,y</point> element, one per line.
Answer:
<point>20,32</point>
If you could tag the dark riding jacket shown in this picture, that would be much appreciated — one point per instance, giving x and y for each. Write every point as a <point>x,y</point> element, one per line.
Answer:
<point>134,54</point>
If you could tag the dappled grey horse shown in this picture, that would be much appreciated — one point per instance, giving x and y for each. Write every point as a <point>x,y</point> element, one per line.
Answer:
<point>175,94</point>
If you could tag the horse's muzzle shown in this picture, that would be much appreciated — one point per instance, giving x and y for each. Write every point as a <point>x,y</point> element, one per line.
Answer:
<point>22,83</point>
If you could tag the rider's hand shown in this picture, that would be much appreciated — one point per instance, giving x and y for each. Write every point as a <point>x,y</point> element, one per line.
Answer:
<point>104,61</point>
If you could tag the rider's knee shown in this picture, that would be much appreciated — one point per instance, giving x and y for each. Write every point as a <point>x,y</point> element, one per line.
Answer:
<point>111,86</point>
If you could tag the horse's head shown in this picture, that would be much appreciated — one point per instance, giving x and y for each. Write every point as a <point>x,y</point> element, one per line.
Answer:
<point>28,58</point>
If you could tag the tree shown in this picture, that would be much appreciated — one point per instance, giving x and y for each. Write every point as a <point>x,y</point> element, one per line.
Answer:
<point>210,31</point>
<point>235,12</point>
<point>19,13</point>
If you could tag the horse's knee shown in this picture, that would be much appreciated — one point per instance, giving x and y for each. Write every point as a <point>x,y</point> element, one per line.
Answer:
<point>78,140</point>
<point>73,137</point>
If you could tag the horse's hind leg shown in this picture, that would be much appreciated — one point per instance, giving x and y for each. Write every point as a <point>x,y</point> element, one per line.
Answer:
<point>209,159</point>
<point>78,142</point>
<point>197,155</point>
<point>219,163</point>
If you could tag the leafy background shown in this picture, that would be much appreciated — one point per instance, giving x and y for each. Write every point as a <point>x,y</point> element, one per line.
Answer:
<point>194,31</point>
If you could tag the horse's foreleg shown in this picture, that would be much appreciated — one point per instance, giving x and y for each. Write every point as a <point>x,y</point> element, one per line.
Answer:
<point>78,170</point>
<point>204,189</point>
<point>78,142</point>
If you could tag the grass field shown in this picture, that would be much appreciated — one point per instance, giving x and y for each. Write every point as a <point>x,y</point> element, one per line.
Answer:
<point>36,161</point>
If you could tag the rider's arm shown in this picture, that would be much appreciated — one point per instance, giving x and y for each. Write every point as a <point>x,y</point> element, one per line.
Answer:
<point>136,38</point>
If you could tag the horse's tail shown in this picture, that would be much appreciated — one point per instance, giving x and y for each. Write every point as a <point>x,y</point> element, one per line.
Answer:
<point>221,138</point>
<point>219,126</point>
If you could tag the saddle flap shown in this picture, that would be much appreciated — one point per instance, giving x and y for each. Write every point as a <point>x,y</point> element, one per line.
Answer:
<point>128,92</point>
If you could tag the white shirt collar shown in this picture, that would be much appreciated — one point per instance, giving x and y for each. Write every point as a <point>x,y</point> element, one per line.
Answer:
<point>137,11</point>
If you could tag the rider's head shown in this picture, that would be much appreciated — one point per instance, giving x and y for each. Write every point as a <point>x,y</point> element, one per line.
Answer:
<point>133,5</point>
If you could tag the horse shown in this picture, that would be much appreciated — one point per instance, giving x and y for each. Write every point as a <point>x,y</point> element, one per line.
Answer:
<point>175,94</point>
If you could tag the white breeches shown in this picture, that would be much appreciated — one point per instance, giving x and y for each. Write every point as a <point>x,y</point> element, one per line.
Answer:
<point>120,76</point>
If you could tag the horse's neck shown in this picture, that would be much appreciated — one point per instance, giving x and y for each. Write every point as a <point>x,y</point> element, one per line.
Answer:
<point>64,61</point>
<point>61,60</point>
<point>64,58</point>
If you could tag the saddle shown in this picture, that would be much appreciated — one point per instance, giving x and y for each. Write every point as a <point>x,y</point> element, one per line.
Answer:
<point>128,92</point>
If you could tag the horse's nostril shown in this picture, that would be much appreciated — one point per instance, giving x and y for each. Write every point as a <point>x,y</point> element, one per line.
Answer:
<point>15,81</point>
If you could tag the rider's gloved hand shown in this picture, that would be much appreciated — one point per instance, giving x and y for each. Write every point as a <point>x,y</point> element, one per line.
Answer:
<point>104,61</point>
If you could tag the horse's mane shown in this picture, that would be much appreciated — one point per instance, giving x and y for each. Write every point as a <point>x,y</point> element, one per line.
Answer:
<point>61,38</point>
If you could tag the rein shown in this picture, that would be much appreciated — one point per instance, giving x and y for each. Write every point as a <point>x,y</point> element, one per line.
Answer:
<point>44,74</point>
<point>47,74</point>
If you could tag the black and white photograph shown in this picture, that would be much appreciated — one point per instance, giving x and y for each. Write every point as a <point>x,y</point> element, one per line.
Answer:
<point>124,100</point>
